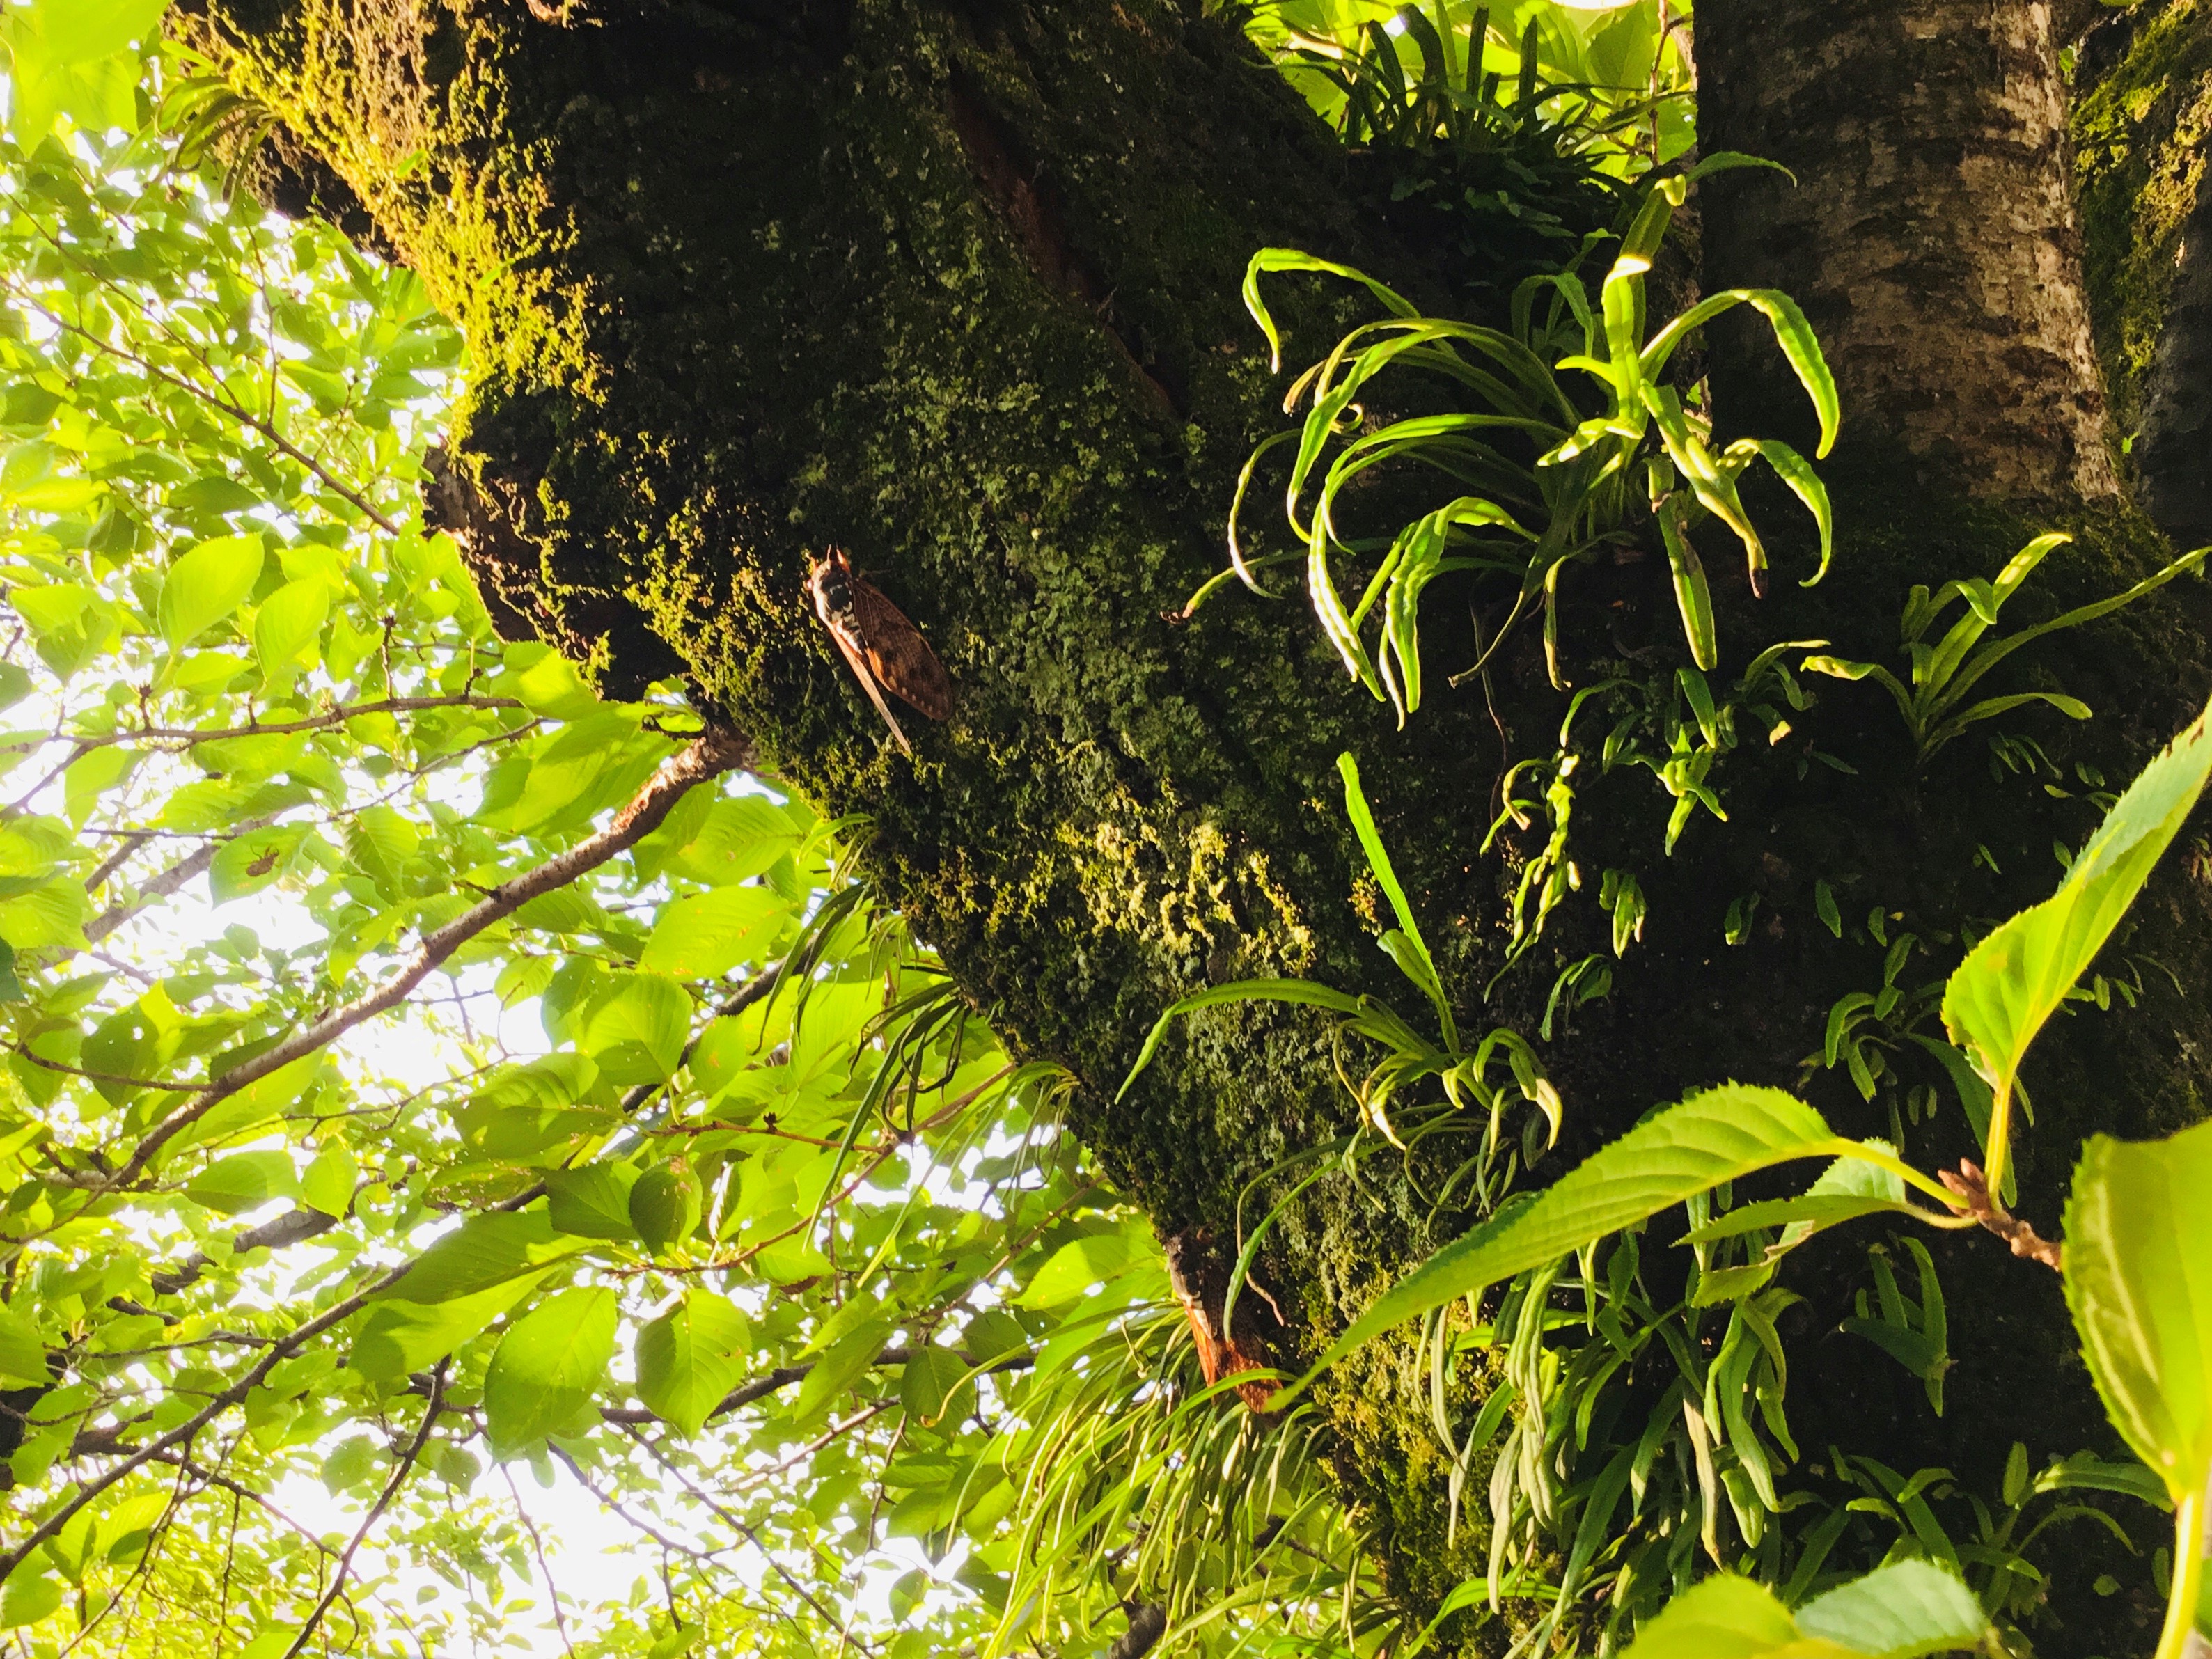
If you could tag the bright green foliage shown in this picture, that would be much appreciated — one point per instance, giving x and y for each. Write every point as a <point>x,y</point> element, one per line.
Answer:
<point>2015,979</point>
<point>1550,483</point>
<point>2139,1281</point>
<point>1606,88</point>
<point>79,61</point>
<point>348,1145</point>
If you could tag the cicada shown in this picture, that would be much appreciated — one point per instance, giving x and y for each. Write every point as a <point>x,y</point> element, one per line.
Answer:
<point>885,651</point>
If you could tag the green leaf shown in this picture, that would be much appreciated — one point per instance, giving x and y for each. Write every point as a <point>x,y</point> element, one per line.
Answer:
<point>993,1334</point>
<point>1724,1617</point>
<point>546,1368</point>
<point>329,1180</point>
<point>1901,1610</point>
<point>1303,992</point>
<point>549,686</point>
<point>1076,1266</point>
<point>664,1205</point>
<point>398,1339</point>
<point>484,1250</point>
<point>11,987</point>
<point>81,31</point>
<point>22,1352</point>
<point>1693,595</point>
<point>30,1593</point>
<point>288,623</point>
<point>637,1029</point>
<point>1709,1138</point>
<point>2139,1282</point>
<point>94,775</point>
<point>2013,979</point>
<point>846,1362</point>
<point>690,1357</point>
<point>734,840</point>
<point>243,1181</point>
<point>1412,959</point>
<point>930,1385</point>
<point>593,1202</point>
<point>705,935</point>
<point>61,65</point>
<point>206,585</point>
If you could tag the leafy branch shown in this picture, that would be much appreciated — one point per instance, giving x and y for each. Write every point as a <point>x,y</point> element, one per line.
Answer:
<point>719,751</point>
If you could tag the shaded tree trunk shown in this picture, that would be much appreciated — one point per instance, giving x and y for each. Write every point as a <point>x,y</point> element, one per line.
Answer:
<point>955,286</point>
<point>1930,234</point>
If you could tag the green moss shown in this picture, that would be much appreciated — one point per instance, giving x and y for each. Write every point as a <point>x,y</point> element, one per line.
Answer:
<point>2140,135</point>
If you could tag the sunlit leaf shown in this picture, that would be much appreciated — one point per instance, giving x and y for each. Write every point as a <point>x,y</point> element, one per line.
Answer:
<point>547,1367</point>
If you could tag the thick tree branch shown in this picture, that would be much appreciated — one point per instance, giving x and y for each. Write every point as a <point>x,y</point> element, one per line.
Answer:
<point>293,1227</point>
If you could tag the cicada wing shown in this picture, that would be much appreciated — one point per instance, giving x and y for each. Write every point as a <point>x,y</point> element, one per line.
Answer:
<point>857,662</point>
<point>900,658</point>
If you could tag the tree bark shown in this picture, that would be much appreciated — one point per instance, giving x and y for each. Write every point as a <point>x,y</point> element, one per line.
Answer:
<point>1930,235</point>
<point>955,286</point>
<point>2143,128</point>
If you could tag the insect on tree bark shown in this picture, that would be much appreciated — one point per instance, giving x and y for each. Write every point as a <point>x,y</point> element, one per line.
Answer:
<point>885,651</point>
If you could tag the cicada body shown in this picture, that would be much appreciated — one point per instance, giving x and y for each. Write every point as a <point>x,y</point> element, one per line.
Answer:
<point>884,649</point>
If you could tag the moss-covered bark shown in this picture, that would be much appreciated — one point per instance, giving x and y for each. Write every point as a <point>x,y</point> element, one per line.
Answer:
<point>955,286</point>
<point>2142,124</point>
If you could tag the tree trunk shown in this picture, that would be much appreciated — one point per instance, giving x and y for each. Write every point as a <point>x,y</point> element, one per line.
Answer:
<point>2143,121</point>
<point>1930,234</point>
<point>954,286</point>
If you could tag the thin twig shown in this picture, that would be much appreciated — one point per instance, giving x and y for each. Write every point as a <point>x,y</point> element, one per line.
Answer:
<point>375,1514</point>
<point>715,752</point>
<point>194,865</point>
<point>538,1549</point>
<point>279,1350</point>
<point>85,743</point>
<point>704,1558</point>
<point>237,412</point>
<point>731,1520</point>
<point>1974,1186</point>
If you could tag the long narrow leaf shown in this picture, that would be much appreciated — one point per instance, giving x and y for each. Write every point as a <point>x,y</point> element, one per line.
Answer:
<point>1277,259</point>
<point>1378,861</point>
<point>1718,1135</point>
<point>1303,992</point>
